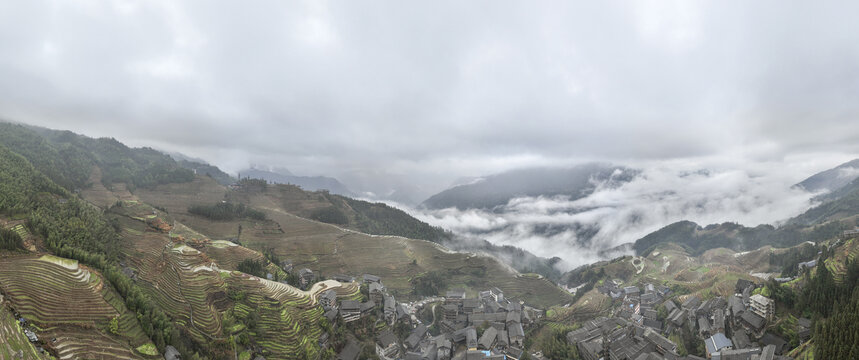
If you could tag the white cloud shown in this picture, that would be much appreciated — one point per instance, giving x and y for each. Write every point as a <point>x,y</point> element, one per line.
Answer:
<point>660,195</point>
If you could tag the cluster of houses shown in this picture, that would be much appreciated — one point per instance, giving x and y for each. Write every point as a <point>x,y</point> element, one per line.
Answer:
<point>489,326</point>
<point>638,332</point>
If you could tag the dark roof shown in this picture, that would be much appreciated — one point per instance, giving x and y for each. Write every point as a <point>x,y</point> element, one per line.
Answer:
<point>742,284</point>
<point>350,305</point>
<point>753,320</point>
<point>374,286</point>
<point>488,337</point>
<point>329,294</point>
<point>368,305</point>
<point>472,303</point>
<point>455,293</point>
<point>692,303</point>
<point>416,336</point>
<point>331,315</point>
<point>516,330</point>
<point>771,339</point>
<point>804,322</point>
<point>514,316</point>
<point>768,352</point>
<point>350,351</point>
<point>659,340</point>
<point>670,305</point>
<point>502,337</point>
<point>343,278</point>
<point>387,338</point>
<point>470,337</point>
<point>371,278</point>
<point>703,325</point>
<point>655,324</point>
<point>741,339</point>
<point>736,305</point>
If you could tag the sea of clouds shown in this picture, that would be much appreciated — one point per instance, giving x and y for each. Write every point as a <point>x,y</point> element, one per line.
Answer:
<point>581,231</point>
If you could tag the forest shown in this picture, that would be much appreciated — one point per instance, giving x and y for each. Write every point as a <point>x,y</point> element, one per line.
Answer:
<point>225,211</point>
<point>9,240</point>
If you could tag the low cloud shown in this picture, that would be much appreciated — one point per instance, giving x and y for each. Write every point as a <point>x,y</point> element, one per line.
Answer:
<point>584,230</point>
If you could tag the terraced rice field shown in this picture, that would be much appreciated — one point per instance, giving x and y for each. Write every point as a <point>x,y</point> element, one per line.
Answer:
<point>191,286</point>
<point>72,304</point>
<point>12,339</point>
<point>181,279</point>
<point>228,255</point>
<point>289,318</point>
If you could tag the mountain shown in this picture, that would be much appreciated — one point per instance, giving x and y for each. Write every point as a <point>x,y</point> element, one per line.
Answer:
<point>310,183</point>
<point>200,166</point>
<point>496,190</point>
<point>832,179</point>
<point>839,212</point>
<point>118,252</point>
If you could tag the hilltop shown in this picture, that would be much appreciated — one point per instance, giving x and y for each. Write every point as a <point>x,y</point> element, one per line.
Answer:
<point>496,190</point>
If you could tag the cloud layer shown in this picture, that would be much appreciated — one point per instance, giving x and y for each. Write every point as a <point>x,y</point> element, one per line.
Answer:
<point>578,230</point>
<point>389,95</point>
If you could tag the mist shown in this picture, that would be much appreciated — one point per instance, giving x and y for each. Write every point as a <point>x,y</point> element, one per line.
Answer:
<point>589,229</point>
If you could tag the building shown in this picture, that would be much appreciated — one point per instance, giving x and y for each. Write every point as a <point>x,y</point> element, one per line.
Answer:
<point>487,340</point>
<point>742,285</point>
<point>350,310</point>
<point>386,345</point>
<point>737,354</point>
<point>807,264</point>
<point>414,339</point>
<point>497,294</point>
<point>305,277</point>
<point>390,309</point>
<point>328,299</point>
<point>450,312</point>
<point>377,292</point>
<point>763,306</point>
<point>343,278</point>
<point>455,296</point>
<point>371,279</point>
<point>717,343</point>
<point>692,303</point>
<point>516,335</point>
<point>754,323</point>
<point>471,338</point>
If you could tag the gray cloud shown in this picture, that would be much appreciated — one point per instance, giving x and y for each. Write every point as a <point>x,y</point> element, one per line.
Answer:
<point>388,94</point>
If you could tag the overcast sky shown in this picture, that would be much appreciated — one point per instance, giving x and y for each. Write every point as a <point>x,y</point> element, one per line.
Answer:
<point>386,93</point>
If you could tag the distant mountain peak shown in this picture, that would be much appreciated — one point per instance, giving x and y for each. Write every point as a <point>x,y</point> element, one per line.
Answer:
<point>496,190</point>
<point>832,179</point>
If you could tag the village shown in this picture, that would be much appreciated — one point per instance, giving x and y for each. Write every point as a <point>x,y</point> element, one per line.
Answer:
<point>639,328</point>
<point>489,326</point>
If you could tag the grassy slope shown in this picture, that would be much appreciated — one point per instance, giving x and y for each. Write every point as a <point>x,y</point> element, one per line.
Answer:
<point>312,244</point>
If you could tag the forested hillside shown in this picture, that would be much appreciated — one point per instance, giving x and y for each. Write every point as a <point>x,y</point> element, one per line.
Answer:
<point>68,158</point>
<point>75,229</point>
